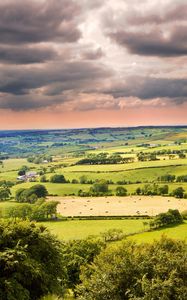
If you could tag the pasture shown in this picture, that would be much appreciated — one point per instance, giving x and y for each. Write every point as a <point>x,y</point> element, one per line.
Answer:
<point>175,232</point>
<point>80,229</point>
<point>65,189</point>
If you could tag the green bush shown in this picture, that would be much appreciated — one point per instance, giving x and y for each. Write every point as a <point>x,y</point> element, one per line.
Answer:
<point>143,272</point>
<point>58,178</point>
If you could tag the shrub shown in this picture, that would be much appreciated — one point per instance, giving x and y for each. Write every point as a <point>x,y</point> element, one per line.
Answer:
<point>121,191</point>
<point>58,178</point>
<point>130,271</point>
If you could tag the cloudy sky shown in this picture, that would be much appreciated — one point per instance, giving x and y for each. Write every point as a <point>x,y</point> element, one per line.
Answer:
<point>89,63</point>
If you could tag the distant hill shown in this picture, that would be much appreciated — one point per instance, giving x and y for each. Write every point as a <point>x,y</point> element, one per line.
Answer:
<point>21,143</point>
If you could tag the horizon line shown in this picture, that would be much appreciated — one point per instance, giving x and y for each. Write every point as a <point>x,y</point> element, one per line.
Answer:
<point>97,127</point>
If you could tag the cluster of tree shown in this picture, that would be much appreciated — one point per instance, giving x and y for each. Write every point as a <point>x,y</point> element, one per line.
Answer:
<point>172,178</point>
<point>155,189</point>
<point>147,156</point>
<point>130,271</point>
<point>5,193</point>
<point>6,183</point>
<point>39,159</point>
<point>182,178</point>
<point>172,217</point>
<point>32,194</point>
<point>31,262</point>
<point>84,180</point>
<point>179,192</point>
<point>23,170</point>
<point>152,189</point>
<point>167,178</point>
<point>169,151</point>
<point>58,178</point>
<point>104,158</point>
<point>100,188</point>
<point>41,210</point>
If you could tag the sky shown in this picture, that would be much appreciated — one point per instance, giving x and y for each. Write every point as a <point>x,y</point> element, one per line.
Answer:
<point>92,63</point>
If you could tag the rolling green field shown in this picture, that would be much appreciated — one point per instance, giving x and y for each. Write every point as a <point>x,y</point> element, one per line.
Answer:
<point>65,189</point>
<point>176,232</point>
<point>79,229</point>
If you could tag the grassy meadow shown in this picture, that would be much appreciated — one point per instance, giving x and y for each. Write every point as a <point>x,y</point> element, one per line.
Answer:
<point>175,232</point>
<point>80,229</point>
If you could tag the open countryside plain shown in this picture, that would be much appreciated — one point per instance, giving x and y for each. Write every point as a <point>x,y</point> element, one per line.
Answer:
<point>67,148</point>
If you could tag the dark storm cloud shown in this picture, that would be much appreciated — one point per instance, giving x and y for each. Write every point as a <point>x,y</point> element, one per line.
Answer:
<point>53,79</point>
<point>28,102</point>
<point>149,88</point>
<point>26,55</point>
<point>151,33</point>
<point>46,61</point>
<point>154,43</point>
<point>34,21</point>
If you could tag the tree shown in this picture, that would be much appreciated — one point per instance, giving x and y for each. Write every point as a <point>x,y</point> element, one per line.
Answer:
<point>22,212</point>
<point>99,187</point>
<point>30,260</point>
<point>31,194</point>
<point>83,179</point>
<point>121,191</point>
<point>172,217</point>
<point>23,170</point>
<point>178,192</point>
<point>58,178</point>
<point>143,272</point>
<point>18,195</point>
<point>138,191</point>
<point>4,193</point>
<point>26,195</point>
<point>39,190</point>
<point>182,155</point>
<point>163,190</point>
<point>49,209</point>
<point>43,178</point>
<point>78,253</point>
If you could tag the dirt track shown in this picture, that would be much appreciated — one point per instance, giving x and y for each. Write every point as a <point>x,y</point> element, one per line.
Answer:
<point>107,206</point>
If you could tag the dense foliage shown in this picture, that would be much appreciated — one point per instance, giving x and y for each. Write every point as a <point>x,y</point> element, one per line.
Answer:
<point>79,253</point>
<point>41,210</point>
<point>31,194</point>
<point>58,178</point>
<point>104,158</point>
<point>142,272</point>
<point>172,217</point>
<point>30,262</point>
